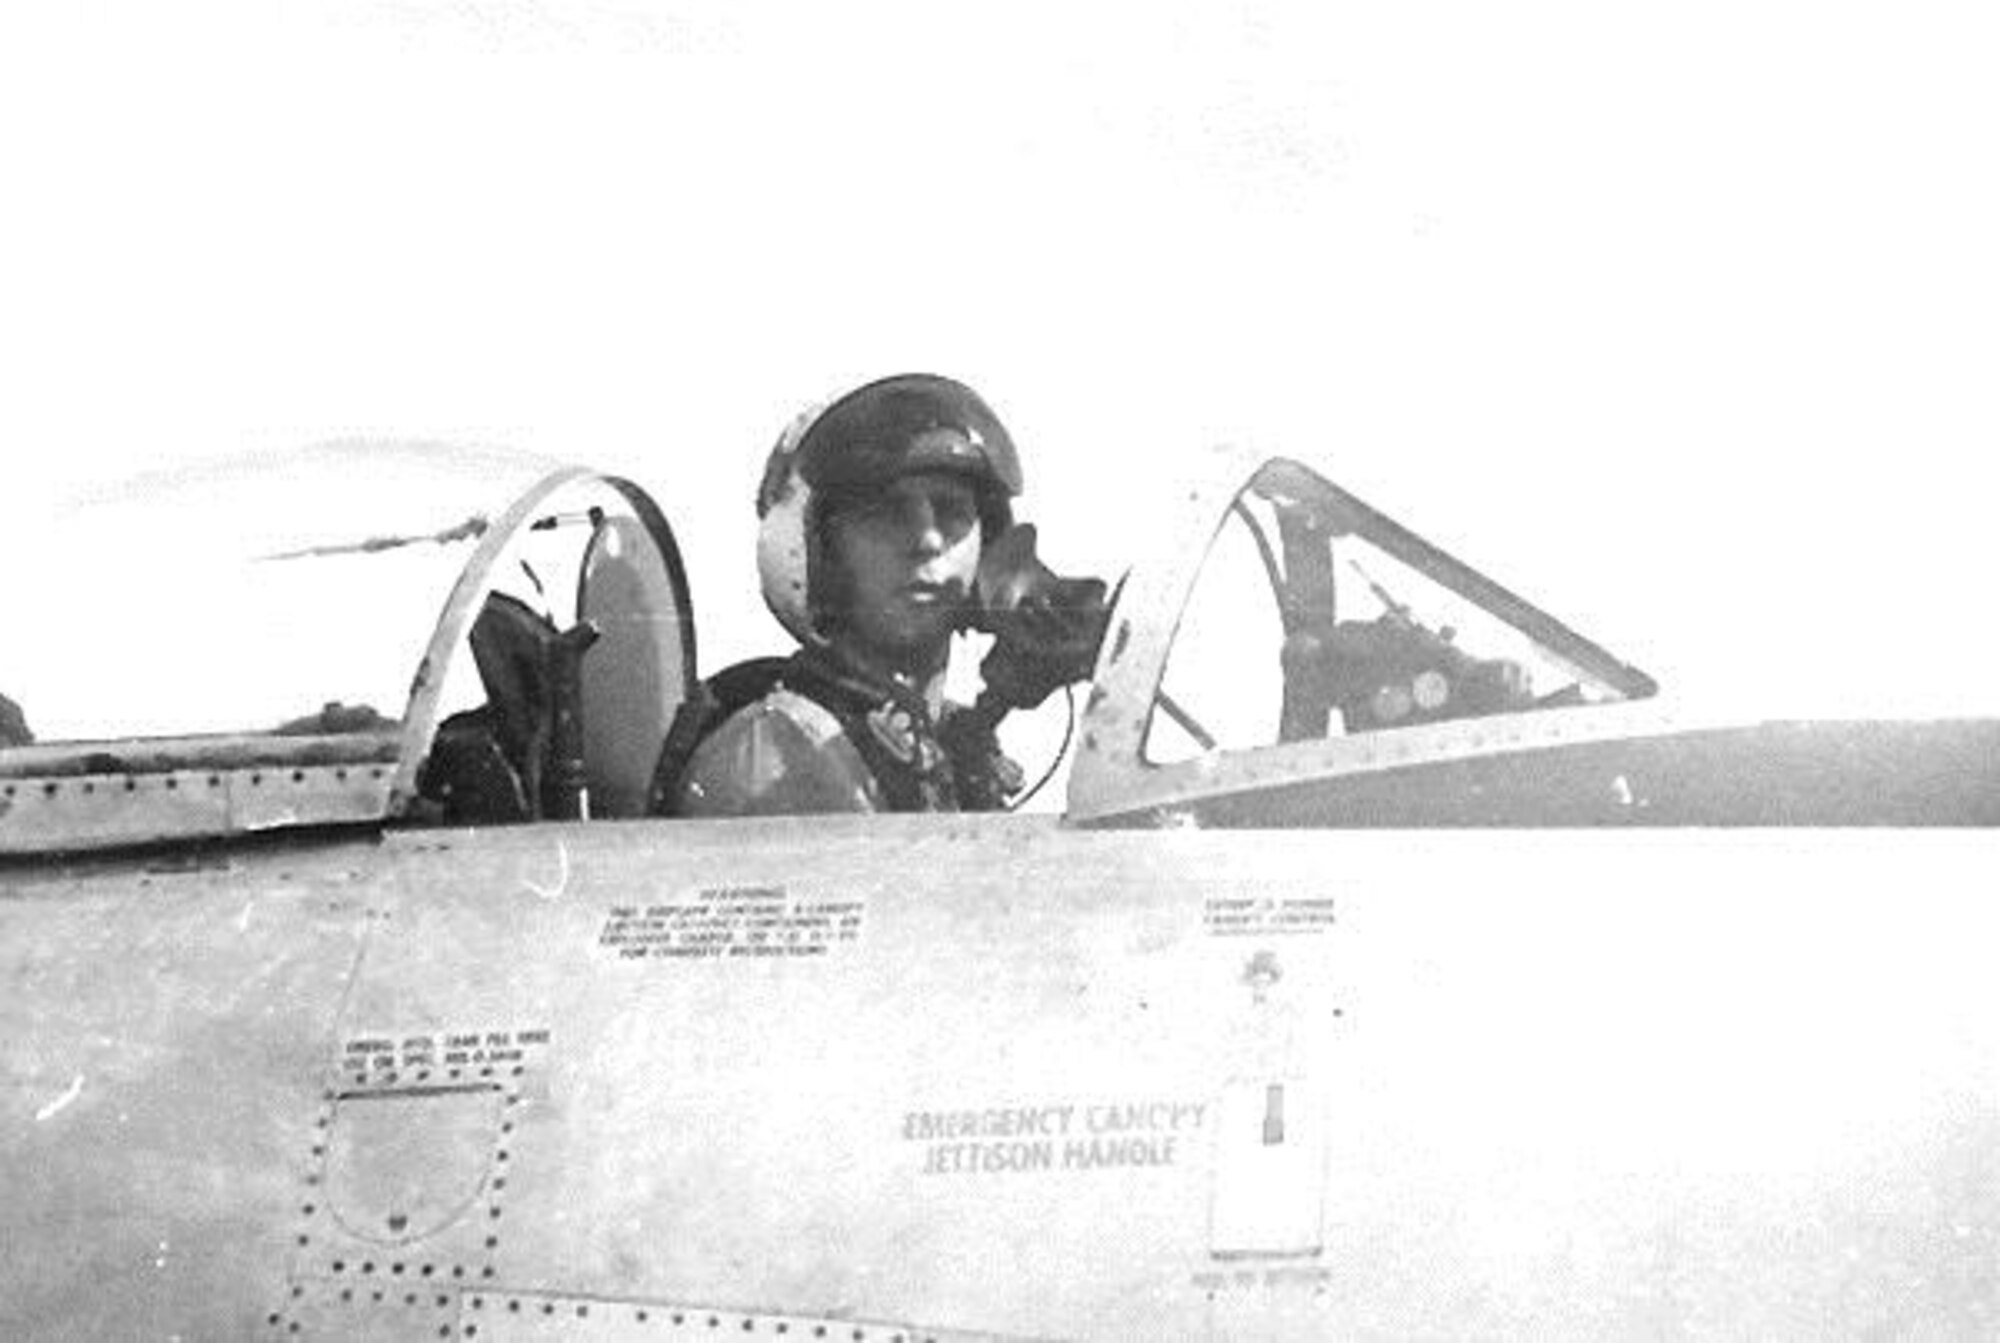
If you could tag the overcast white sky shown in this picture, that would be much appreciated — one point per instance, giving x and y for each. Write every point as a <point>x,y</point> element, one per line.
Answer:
<point>1683,320</point>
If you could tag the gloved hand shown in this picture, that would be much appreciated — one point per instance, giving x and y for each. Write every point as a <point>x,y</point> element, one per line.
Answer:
<point>1046,628</point>
<point>1047,641</point>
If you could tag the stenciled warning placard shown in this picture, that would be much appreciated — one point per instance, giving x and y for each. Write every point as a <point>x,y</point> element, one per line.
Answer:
<point>732,922</point>
<point>470,1054</point>
<point>1267,915</point>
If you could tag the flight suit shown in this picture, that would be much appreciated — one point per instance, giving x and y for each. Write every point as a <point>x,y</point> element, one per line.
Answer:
<point>826,738</point>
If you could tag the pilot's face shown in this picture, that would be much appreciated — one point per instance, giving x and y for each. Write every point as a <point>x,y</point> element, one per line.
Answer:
<point>907,555</point>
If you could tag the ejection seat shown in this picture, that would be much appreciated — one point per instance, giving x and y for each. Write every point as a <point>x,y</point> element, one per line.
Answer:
<point>574,718</point>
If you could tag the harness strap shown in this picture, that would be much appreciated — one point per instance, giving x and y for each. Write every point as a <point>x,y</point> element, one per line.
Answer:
<point>919,764</point>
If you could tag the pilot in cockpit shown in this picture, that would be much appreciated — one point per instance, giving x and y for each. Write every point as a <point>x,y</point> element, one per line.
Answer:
<point>886,528</point>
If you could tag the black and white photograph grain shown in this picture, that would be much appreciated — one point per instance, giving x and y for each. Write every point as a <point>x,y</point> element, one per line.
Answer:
<point>902,671</point>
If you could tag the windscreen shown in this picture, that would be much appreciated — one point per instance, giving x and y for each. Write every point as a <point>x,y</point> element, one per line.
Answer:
<point>1312,616</point>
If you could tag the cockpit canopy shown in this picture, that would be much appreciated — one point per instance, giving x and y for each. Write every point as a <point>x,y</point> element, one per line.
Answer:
<point>276,640</point>
<point>367,632</point>
<point>1311,636</point>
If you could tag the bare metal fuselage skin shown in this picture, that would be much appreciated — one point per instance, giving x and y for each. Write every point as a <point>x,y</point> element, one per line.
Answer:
<point>1686,1035</point>
<point>920,1077</point>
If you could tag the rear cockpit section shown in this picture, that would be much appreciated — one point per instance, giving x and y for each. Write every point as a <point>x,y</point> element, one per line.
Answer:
<point>282,641</point>
<point>574,619</point>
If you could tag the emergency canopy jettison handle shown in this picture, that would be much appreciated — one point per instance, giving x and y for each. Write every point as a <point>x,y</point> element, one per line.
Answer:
<point>1268,1197</point>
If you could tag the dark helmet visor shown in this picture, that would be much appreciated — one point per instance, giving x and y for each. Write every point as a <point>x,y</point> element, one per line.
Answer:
<point>905,424</point>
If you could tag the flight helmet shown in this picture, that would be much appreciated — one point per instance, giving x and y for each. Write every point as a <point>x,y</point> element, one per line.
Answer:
<point>857,442</point>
